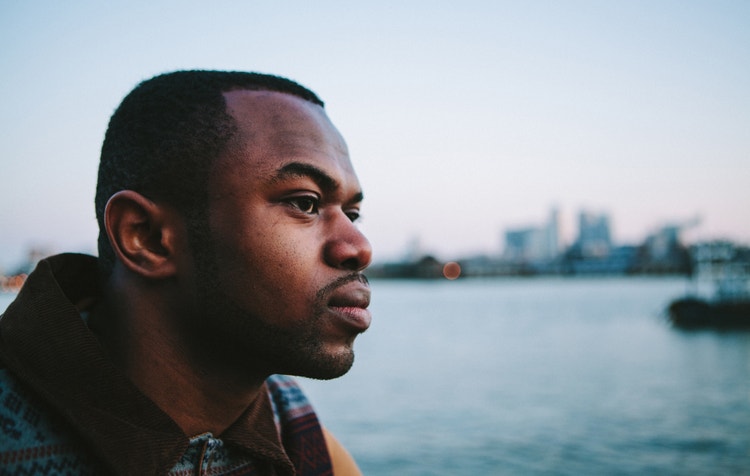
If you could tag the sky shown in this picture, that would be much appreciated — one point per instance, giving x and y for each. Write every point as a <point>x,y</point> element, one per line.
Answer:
<point>463,119</point>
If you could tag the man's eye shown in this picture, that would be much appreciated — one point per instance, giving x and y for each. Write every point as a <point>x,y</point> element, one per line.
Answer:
<point>353,215</point>
<point>307,205</point>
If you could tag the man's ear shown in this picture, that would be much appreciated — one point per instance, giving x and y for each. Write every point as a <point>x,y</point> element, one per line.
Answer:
<point>143,234</point>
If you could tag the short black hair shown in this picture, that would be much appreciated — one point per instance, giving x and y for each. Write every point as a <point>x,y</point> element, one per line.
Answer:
<point>164,136</point>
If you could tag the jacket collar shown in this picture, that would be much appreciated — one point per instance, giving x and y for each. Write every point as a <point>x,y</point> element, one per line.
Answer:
<point>46,344</point>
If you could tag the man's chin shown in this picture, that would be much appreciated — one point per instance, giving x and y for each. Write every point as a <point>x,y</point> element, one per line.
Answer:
<point>326,368</point>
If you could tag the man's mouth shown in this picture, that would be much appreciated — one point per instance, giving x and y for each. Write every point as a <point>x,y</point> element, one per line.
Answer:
<point>350,301</point>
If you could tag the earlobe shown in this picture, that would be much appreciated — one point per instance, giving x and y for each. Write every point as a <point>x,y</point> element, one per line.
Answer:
<point>142,234</point>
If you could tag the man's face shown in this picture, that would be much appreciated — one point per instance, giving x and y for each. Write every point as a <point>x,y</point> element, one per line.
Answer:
<point>281,289</point>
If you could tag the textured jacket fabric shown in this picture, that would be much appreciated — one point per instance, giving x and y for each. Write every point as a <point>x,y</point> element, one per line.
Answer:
<point>66,409</point>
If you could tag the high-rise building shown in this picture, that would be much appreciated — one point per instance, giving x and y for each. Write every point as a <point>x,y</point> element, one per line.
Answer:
<point>594,237</point>
<point>534,244</point>
<point>552,235</point>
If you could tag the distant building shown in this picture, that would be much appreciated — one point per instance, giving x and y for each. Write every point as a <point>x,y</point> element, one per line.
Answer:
<point>593,251</point>
<point>618,261</point>
<point>721,270</point>
<point>664,253</point>
<point>662,244</point>
<point>534,244</point>
<point>523,245</point>
<point>594,236</point>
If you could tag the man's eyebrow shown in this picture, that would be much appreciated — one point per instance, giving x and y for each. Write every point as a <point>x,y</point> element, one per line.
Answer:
<point>300,169</point>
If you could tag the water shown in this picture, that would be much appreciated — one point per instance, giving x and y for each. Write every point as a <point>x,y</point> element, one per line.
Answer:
<point>539,376</point>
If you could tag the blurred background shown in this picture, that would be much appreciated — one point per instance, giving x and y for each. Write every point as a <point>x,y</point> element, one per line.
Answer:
<point>578,165</point>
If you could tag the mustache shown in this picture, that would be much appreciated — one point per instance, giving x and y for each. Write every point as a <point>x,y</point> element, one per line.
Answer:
<point>330,287</point>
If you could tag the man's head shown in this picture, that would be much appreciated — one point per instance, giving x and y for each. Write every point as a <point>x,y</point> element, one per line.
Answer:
<point>166,134</point>
<point>265,275</point>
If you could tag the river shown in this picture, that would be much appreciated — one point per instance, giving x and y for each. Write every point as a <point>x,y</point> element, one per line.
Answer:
<point>540,376</point>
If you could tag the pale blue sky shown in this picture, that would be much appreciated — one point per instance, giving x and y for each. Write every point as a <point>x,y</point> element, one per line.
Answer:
<point>462,119</point>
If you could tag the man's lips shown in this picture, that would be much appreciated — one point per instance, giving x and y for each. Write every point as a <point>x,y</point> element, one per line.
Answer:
<point>350,301</point>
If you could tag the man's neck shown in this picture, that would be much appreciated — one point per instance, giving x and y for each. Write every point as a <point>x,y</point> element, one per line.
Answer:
<point>144,345</point>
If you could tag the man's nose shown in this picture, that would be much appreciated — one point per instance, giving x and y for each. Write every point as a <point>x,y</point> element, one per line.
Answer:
<point>347,248</point>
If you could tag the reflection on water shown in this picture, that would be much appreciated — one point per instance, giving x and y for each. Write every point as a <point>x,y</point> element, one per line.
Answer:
<point>540,376</point>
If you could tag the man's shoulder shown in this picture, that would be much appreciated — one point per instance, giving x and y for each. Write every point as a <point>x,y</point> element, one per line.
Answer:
<point>287,398</point>
<point>33,439</point>
<point>298,426</point>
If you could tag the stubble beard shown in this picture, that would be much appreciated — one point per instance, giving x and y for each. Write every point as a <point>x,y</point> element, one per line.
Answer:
<point>236,338</point>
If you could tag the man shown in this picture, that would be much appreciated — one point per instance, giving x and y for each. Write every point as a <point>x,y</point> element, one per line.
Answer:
<point>228,253</point>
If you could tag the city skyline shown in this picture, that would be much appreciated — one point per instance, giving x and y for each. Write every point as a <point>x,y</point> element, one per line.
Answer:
<point>462,120</point>
<point>554,235</point>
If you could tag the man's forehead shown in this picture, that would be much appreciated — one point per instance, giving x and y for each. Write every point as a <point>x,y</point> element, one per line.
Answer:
<point>275,129</point>
<point>282,124</point>
<point>272,106</point>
